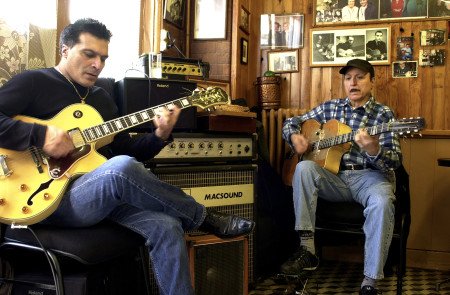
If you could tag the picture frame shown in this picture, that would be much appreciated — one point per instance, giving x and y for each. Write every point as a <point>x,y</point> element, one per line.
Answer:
<point>336,12</point>
<point>285,61</point>
<point>432,37</point>
<point>337,46</point>
<point>282,31</point>
<point>210,19</point>
<point>174,12</point>
<point>404,69</point>
<point>432,57</point>
<point>405,48</point>
<point>244,51</point>
<point>244,20</point>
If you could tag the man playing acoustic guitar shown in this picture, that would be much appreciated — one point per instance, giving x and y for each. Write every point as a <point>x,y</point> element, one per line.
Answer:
<point>120,189</point>
<point>365,175</point>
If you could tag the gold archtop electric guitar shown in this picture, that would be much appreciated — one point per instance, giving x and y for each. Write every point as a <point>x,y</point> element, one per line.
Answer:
<point>32,184</point>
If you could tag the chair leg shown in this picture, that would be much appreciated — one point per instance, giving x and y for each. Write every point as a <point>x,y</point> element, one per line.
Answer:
<point>145,268</point>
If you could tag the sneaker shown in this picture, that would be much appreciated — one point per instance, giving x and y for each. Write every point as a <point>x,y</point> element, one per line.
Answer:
<point>368,290</point>
<point>300,261</point>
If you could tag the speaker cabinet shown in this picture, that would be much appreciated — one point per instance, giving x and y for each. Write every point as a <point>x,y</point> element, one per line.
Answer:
<point>218,266</point>
<point>228,188</point>
<point>136,94</point>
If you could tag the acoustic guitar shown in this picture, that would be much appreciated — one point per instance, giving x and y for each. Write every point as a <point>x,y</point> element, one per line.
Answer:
<point>330,141</point>
<point>32,184</point>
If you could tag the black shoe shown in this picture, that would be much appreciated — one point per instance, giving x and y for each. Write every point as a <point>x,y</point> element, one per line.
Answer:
<point>302,260</point>
<point>226,225</point>
<point>368,290</point>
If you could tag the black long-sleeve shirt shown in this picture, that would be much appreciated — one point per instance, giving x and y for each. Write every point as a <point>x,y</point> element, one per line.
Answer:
<point>42,94</point>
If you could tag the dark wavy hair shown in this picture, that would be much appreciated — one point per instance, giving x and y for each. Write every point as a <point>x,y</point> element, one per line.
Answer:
<point>71,34</point>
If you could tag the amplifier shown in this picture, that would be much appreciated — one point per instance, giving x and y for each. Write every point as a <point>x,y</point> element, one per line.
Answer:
<point>228,188</point>
<point>136,94</point>
<point>173,66</point>
<point>218,266</point>
<point>207,147</point>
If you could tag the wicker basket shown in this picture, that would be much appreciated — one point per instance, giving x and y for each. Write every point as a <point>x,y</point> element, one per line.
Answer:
<point>269,92</point>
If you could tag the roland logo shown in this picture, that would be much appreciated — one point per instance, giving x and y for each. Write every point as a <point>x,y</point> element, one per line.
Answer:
<point>32,292</point>
<point>218,196</point>
<point>162,85</point>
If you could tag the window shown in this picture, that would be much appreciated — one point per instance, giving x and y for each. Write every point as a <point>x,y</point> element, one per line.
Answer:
<point>122,18</point>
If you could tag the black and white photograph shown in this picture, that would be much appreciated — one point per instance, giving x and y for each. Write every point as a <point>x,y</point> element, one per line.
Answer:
<point>432,57</point>
<point>283,61</point>
<point>338,46</point>
<point>280,31</point>
<point>174,12</point>
<point>405,48</point>
<point>376,44</point>
<point>404,69</point>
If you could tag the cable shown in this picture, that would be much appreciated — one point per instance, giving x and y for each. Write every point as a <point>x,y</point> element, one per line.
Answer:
<point>52,268</point>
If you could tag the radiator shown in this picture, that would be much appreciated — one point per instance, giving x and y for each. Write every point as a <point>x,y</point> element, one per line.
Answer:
<point>272,121</point>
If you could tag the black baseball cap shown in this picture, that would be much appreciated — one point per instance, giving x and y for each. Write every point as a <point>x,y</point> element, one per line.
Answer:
<point>359,64</point>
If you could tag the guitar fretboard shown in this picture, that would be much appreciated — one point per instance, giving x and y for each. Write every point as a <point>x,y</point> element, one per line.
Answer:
<point>131,120</point>
<point>343,138</point>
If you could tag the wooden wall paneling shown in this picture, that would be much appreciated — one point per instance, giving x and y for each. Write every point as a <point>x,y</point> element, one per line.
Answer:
<point>285,86</point>
<point>316,88</point>
<point>422,188</point>
<point>295,98</point>
<point>441,200</point>
<point>439,97</point>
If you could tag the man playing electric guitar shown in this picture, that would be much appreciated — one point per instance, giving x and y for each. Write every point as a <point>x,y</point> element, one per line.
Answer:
<point>121,188</point>
<point>366,173</point>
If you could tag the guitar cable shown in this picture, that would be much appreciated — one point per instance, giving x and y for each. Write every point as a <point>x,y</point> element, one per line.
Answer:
<point>52,268</point>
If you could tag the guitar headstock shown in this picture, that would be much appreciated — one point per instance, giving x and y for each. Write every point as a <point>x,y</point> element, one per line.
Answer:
<point>407,126</point>
<point>209,97</point>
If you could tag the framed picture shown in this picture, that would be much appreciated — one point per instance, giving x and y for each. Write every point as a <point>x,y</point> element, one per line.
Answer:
<point>283,61</point>
<point>338,46</point>
<point>332,12</point>
<point>404,69</point>
<point>174,12</point>
<point>282,31</point>
<point>432,57</point>
<point>244,20</point>
<point>405,48</point>
<point>244,51</point>
<point>210,19</point>
<point>432,37</point>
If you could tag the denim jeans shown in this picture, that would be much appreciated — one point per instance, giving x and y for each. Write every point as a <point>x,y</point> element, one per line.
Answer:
<point>124,191</point>
<point>371,188</point>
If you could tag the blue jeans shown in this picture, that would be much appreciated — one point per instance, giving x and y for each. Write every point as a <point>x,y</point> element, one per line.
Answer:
<point>124,191</point>
<point>370,188</point>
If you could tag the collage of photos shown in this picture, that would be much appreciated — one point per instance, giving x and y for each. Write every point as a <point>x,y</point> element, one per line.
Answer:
<point>332,11</point>
<point>336,47</point>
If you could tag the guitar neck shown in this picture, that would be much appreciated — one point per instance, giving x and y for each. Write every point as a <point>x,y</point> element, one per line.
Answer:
<point>120,124</point>
<point>343,138</point>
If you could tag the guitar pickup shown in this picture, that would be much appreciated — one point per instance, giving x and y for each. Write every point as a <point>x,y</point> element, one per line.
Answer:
<point>5,172</point>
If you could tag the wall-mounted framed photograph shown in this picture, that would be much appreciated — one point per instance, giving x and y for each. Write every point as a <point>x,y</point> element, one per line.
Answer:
<point>174,12</point>
<point>336,47</point>
<point>285,61</point>
<point>405,48</point>
<point>282,31</point>
<point>244,20</point>
<point>336,12</point>
<point>432,57</point>
<point>210,19</point>
<point>404,69</point>
<point>244,51</point>
<point>432,37</point>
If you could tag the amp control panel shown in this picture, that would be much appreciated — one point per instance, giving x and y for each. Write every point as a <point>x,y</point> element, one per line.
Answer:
<point>204,147</point>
